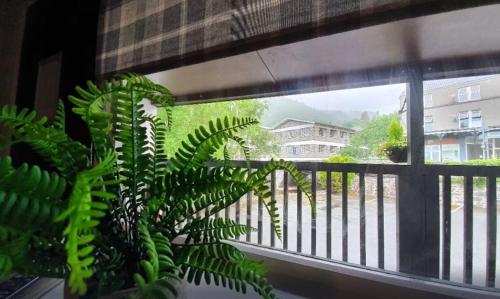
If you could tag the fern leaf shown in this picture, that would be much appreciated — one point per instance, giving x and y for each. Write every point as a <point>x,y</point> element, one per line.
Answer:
<point>200,147</point>
<point>258,180</point>
<point>60,118</point>
<point>223,264</point>
<point>67,155</point>
<point>83,216</point>
<point>90,105</point>
<point>158,162</point>
<point>214,230</point>
<point>159,268</point>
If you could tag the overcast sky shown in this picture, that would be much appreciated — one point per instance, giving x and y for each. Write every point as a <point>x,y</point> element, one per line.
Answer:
<point>384,99</point>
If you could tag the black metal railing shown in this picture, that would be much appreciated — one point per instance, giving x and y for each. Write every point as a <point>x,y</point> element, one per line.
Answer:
<point>468,174</point>
<point>377,174</point>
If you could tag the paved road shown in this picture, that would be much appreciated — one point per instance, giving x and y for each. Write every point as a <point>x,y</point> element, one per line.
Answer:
<point>479,235</point>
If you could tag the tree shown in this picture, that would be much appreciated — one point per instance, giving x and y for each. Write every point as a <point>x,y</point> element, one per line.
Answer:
<point>366,143</point>
<point>262,142</point>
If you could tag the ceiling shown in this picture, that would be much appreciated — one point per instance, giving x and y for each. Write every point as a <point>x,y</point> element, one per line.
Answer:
<point>344,57</point>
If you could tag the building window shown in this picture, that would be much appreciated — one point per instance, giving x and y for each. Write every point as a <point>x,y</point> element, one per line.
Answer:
<point>332,149</point>
<point>343,134</point>
<point>469,93</point>
<point>450,152</point>
<point>333,133</point>
<point>427,100</point>
<point>432,153</point>
<point>305,132</point>
<point>428,123</point>
<point>470,119</point>
<point>322,131</point>
<point>322,148</point>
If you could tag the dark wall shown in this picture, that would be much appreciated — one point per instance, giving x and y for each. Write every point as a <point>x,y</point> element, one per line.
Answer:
<point>54,26</point>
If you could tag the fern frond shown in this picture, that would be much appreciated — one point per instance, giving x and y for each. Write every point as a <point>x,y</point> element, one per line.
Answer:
<point>158,163</point>
<point>202,188</point>
<point>161,271</point>
<point>156,93</point>
<point>214,230</point>
<point>91,106</point>
<point>83,216</point>
<point>67,155</point>
<point>133,153</point>
<point>30,181</point>
<point>257,179</point>
<point>200,147</point>
<point>60,118</point>
<point>30,198</point>
<point>224,264</point>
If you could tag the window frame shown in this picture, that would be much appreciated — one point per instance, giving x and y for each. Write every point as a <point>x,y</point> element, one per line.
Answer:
<point>468,92</point>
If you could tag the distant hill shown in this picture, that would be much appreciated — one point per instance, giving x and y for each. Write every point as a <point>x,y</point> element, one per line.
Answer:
<point>280,109</point>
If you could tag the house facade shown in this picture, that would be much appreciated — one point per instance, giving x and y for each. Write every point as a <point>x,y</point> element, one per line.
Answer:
<point>462,119</point>
<point>310,141</point>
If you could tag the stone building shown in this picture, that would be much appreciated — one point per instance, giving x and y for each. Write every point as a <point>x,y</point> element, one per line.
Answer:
<point>303,140</point>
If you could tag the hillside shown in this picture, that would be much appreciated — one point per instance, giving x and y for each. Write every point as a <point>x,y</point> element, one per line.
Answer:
<point>279,109</point>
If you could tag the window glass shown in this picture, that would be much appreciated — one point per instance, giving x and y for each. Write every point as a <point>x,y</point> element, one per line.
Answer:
<point>450,152</point>
<point>469,93</point>
<point>432,153</point>
<point>428,123</point>
<point>428,100</point>
<point>350,122</point>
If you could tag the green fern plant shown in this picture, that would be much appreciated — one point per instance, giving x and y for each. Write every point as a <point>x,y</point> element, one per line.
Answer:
<point>120,213</point>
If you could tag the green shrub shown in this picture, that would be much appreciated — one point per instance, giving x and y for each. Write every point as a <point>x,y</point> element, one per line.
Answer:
<point>488,162</point>
<point>395,138</point>
<point>337,176</point>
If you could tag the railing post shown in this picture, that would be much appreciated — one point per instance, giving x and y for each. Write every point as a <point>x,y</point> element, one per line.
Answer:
<point>418,194</point>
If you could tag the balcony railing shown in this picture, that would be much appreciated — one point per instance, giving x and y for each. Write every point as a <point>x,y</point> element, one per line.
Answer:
<point>346,222</point>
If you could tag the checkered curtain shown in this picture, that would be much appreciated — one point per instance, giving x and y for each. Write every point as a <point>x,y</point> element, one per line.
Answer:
<point>149,35</point>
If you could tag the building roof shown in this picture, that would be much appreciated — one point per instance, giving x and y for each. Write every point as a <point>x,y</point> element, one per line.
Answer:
<point>444,83</point>
<point>312,123</point>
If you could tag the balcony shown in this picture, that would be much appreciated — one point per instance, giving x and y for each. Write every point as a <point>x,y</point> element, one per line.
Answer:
<point>361,240</point>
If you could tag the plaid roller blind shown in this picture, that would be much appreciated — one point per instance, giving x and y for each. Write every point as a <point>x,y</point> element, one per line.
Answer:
<point>153,35</point>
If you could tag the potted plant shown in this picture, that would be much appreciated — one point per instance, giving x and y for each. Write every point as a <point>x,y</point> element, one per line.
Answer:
<point>120,214</point>
<point>395,148</point>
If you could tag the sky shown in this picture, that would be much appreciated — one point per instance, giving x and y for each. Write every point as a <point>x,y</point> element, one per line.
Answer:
<point>384,99</point>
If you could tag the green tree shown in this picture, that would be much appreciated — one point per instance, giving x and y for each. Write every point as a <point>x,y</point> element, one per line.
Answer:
<point>366,143</point>
<point>261,141</point>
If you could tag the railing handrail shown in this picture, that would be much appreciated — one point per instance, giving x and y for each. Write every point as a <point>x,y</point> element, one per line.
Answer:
<point>334,167</point>
<point>394,169</point>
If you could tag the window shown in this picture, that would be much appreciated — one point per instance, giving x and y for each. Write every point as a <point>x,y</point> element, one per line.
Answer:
<point>333,133</point>
<point>450,152</point>
<point>333,149</point>
<point>427,100</point>
<point>322,131</point>
<point>432,153</point>
<point>322,148</point>
<point>343,134</point>
<point>469,93</point>
<point>428,123</point>
<point>470,119</point>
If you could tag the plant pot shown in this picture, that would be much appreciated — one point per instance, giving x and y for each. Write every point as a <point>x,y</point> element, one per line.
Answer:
<point>398,155</point>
